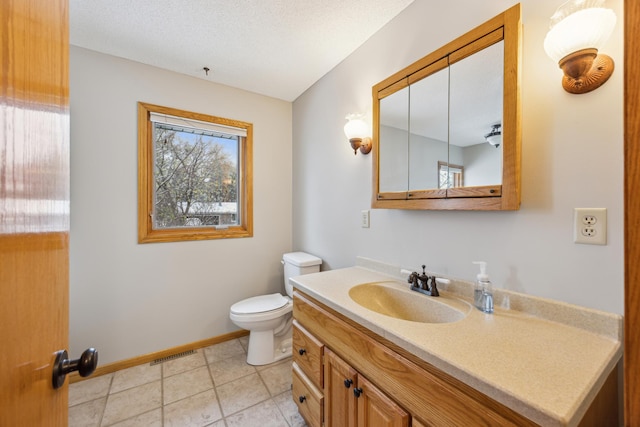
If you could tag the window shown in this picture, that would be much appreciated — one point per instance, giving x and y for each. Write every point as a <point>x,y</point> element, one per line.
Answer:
<point>194,176</point>
<point>450,175</point>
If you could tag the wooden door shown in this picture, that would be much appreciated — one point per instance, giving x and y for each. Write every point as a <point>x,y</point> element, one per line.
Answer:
<point>339,381</point>
<point>375,409</point>
<point>632,213</point>
<point>34,209</point>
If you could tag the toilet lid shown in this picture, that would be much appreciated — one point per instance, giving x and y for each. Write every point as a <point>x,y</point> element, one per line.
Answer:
<point>259,304</point>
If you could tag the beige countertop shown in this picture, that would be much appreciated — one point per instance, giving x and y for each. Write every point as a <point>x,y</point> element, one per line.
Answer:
<point>544,359</point>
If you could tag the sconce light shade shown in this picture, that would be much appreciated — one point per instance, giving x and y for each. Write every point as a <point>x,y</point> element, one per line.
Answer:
<point>495,136</point>
<point>579,29</point>
<point>357,132</point>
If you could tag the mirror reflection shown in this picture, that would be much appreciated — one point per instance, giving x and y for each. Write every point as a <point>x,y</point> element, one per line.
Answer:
<point>441,120</point>
<point>429,128</point>
<point>450,175</point>
<point>475,104</point>
<point>394,131</point>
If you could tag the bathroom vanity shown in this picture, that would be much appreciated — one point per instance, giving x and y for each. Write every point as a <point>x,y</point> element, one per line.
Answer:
<point>532,362</point>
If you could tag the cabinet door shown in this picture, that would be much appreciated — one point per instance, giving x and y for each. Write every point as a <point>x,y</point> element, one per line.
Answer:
<point>376,410</point>
<point>339,381</point>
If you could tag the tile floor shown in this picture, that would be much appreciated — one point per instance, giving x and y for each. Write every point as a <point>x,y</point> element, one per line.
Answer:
<point>213,387</point>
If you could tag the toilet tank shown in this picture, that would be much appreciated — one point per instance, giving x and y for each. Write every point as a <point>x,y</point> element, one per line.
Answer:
<point>297,264</point>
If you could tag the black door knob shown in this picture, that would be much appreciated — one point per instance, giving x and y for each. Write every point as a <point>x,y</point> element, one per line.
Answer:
<point>357,392</point>
<point>63,366</point>
<point>302,399</point>
<point>302,351</point>
<point>348,382</point>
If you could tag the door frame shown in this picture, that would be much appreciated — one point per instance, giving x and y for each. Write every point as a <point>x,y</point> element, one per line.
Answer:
<point>631,213</point>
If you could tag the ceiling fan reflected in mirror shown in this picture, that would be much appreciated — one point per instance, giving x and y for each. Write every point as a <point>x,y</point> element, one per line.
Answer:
<point>495,136</point>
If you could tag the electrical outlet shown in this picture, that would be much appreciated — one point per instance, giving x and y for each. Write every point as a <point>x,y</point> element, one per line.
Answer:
<point>590,226</point>
<point>364,220</point>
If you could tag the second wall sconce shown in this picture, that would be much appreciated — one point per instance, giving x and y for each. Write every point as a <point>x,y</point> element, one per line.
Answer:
<point>358,132</point>
<point>579,28</point>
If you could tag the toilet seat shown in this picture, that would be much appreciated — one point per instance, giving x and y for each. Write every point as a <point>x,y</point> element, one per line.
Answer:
<point>259,304</point>
<point>261,308</point>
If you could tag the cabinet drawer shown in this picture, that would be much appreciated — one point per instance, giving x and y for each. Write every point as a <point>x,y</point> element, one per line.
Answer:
<point>309,399</point>
<point>307,353</point>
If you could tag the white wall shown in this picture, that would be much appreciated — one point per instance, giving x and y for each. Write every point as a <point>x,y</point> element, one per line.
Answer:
<point>128,299</point>
<point>571,157</point>
<point>482,164</point>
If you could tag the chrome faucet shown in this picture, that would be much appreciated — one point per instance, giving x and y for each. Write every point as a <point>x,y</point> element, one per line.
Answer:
<point>423,283</point>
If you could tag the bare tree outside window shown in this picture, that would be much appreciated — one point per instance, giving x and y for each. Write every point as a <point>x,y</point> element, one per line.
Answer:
<point>194,176</point>
<point>196,179</point>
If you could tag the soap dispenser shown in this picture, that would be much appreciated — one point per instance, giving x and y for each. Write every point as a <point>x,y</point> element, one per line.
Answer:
<point>483,293</point>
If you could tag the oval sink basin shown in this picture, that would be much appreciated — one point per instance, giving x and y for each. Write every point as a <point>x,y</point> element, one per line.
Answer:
<point>405,304</point>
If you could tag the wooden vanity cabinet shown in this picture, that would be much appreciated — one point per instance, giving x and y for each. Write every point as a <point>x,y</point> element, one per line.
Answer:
<point>323,387</point>
<point>353,401</point>
<point>398,388</point>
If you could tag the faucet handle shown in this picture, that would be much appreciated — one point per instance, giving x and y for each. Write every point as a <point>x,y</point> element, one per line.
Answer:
<point>434,287</point>
<point>413,278</point>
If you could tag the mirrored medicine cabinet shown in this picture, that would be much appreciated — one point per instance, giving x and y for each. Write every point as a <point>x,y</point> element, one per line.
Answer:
<point>434,119</point>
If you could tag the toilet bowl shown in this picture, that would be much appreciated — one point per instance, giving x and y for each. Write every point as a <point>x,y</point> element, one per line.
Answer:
<point>268,318</point>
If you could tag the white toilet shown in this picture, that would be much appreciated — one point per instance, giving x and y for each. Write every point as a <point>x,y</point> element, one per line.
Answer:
<point>268,318</point>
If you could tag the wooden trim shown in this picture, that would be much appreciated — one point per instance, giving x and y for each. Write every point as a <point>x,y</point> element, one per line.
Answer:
<point>150,357</point>
<point>375,147</point>
<point>435,193</point>
<point>428,70</point>
<point>511,117</point>
<point>393,195</point>
<point>479,204</point>
<point>383,93</point>
<point>479,191</point>
<point>475,47</point>
<point>146,232</point>
<point>631,213</point>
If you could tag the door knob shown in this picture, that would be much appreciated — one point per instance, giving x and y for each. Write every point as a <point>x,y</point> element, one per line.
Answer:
<point>348,382</point>
<point>357,391</point>
<point>63,366</point>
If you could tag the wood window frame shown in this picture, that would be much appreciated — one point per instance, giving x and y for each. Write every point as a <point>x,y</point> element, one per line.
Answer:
<point>146,232</point>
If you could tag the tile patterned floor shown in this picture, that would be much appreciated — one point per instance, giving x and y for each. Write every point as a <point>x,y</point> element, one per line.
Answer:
<point>213,387</point>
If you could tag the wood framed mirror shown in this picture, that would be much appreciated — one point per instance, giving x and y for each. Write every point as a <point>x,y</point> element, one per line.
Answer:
<point>443,110</point>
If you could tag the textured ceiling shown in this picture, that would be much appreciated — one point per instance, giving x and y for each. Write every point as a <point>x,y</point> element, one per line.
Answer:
<point>277,48</point>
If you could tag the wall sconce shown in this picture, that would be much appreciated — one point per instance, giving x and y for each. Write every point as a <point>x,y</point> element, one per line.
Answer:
<point>495,136</point>
<point>579,28</point>
<point>357,130</point>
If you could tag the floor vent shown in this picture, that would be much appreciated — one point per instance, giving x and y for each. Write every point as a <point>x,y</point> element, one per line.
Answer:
<point>172,357</point>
